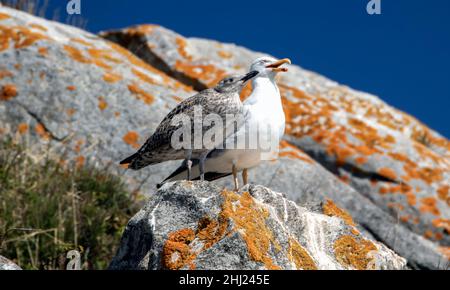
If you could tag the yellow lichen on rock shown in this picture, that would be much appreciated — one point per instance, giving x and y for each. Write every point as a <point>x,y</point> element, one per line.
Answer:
<point>7,92</point>
<point>331,209</point>
<point>208,73</point>
<point>353,252</point>
<point>176,252</point>
<point>210,231</point>
<point>300,256</point>
<point>250,221</point>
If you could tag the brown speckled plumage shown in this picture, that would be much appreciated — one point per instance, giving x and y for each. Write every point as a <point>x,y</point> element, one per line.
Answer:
<point>221,100</point>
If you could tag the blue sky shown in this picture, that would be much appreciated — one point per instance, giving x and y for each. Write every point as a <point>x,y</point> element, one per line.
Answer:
<point>402,55</point>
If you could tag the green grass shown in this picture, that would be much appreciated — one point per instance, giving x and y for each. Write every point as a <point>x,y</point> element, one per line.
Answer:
<point>47,209</point>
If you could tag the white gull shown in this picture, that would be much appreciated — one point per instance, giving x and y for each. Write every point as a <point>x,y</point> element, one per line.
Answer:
<point>263,110</point>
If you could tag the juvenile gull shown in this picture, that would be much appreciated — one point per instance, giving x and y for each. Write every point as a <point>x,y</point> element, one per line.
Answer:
<point>221,100</point>
<point>264,109</point>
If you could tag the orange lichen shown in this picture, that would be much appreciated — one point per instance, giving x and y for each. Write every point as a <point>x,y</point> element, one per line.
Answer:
<point>206,73</point>
<point>103,55</point>
<point>429,205</point>
<point>181,43</point>
<point>300,256</point>
<point>177,99</point>
<point>405,218</point>
<point>438,236</point>
<point>4,16</point>
<point>383,190</point>
<point>38,26</point>
<point>351,252</point>
<point>442,223</point>
<point>8,92</point>
<point>43,51</point>
<point>291,151</point>
<point>361,160</point>
<point>71,88</point>
<point>102,104</point>
<point>331,209</point>
<point>132,138</point>
<point>428,234</point>
<point>70,112</point>
<point>81,41</point>
<point>111,77</point>
<point>224,54</point>
<point>141,29</point>
<point>176,252</point>
<point>443,193</point>
<point>411,198</point>
<point>388,173</point>
<point>250,221</point>
<point>21,36</point>
<point>210,231</point>
<point>101,64</point>
<point>76,54</point>
<point>345,179</point>
<point>5,74</point>
<point>144,77</point>
<point>22,128</point>
<point>141,94</point>
<point>41,131</point>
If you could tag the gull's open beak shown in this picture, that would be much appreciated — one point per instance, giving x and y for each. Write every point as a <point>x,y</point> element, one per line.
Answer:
<point>276,65</point>
<point>249,76</point>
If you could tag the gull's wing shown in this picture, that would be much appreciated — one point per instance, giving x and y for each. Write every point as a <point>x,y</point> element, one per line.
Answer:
<point>157,148</point>
<point>213,170</point>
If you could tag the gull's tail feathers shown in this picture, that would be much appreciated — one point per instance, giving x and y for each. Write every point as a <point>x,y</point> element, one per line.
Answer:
<point>181,174</point>
<point>135,162</point>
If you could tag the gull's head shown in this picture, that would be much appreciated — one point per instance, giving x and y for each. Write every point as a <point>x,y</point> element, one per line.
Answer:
<point>269,66</point>
<point>234,83</point>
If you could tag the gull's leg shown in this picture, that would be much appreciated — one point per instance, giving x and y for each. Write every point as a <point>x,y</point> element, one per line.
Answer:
<point>235,177</point>
<point>245,176</point>
<point>188,155</point>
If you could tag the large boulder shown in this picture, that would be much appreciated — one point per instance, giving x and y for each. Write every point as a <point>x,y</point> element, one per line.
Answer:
<point>6,264</point>
<point>398,168</point>
<point>197,225</point>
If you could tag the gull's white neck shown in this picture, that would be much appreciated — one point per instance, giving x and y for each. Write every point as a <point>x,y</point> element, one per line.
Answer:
<point>265,93</point>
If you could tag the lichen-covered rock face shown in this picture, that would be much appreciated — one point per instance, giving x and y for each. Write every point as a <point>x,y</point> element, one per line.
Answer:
<point>89,97</point>
<point>6,264</point>
<point>253,229</point>
<point>398,164</point>
<point>96,103</point>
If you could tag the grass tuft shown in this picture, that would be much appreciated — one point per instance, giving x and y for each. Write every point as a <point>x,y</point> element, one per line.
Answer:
<point>47,209</point>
